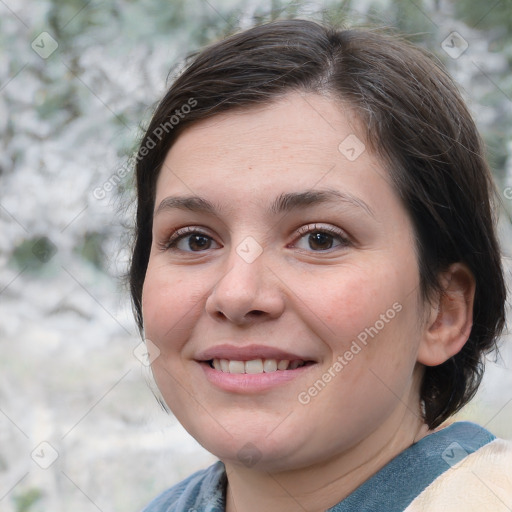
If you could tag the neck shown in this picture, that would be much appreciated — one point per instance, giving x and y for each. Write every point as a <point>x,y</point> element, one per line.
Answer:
<point>321,486</point>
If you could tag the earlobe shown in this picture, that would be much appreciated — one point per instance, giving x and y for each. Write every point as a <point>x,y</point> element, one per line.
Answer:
<point>451,317</point>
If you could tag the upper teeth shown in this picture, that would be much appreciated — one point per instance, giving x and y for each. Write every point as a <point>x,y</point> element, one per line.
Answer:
<point>255,365</point>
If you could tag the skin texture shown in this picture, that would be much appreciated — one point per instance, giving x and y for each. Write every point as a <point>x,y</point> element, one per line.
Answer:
<point>295,297</point>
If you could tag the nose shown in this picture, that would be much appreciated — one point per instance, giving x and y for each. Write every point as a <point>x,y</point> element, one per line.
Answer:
<point>246,293</point>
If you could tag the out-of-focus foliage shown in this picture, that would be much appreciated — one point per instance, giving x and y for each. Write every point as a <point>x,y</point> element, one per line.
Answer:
<point>26,501</point>
<point>495,15</point>
<point>493,20</point>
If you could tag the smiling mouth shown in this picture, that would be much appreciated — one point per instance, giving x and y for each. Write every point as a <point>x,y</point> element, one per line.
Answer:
<point>255,366</point>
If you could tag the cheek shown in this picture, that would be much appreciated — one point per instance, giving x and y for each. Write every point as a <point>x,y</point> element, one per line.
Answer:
<point>351,299</point>
<point>373,307</point>
<point>169,307</point>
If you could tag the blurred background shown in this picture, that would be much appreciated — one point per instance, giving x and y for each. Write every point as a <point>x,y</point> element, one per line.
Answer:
<point>79,427</point>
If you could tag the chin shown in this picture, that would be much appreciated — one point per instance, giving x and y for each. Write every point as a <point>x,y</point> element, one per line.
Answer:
<point>258,451</point>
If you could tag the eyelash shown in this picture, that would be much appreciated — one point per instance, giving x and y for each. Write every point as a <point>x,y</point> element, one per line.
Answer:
<point>172,241</point>
<point>334,232</point>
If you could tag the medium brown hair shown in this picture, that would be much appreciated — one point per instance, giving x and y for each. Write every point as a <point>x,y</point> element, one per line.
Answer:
<point>415,121</point>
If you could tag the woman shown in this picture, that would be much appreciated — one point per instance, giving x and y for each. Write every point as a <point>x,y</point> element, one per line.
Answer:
<point>317,276</point>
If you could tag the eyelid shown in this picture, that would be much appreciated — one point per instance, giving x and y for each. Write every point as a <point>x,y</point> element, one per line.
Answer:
<point>306,229</point>
<point>315,227</point>
<point>182,232</point>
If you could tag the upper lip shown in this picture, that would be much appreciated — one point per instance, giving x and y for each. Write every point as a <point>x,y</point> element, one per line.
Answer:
<point>248,353</point>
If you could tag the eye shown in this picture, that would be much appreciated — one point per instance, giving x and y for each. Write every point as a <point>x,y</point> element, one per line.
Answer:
<point>321,238</point>
<point>189,239</point>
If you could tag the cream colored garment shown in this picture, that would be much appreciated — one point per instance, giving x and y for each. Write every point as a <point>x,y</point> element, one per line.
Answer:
<point>481,482</point>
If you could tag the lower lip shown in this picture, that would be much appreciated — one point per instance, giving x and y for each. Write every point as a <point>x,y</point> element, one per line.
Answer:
<point>251,382</point>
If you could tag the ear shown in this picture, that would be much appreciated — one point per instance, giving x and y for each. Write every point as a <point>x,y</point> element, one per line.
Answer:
<point>450,318</point>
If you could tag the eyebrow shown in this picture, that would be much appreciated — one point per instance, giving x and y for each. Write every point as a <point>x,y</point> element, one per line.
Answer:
<point>283,203</point>
<point>295,200</point>
<point>190,203</point>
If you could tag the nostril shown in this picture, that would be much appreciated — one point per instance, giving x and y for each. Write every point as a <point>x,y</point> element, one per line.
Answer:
<point>245,319</point>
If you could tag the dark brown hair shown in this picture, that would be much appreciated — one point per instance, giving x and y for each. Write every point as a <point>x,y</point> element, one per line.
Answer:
<point>415,121</point>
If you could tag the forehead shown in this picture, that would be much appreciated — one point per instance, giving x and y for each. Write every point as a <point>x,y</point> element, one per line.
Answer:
<point>303,141</point>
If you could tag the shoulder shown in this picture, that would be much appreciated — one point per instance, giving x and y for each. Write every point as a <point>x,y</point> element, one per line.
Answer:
<point>479,481</point>
<point>204,490</point>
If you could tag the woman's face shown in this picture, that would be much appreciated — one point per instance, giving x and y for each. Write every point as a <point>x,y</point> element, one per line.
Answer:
<point>282,286</point>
